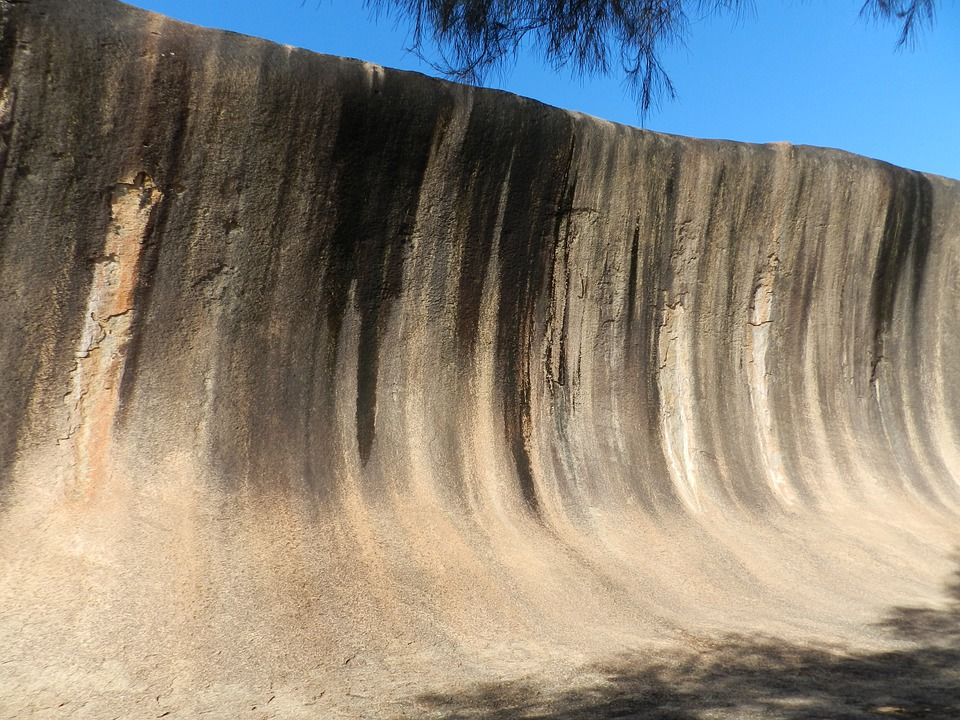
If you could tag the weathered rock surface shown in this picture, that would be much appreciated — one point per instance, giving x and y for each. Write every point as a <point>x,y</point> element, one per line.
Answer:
<point>329,390</point>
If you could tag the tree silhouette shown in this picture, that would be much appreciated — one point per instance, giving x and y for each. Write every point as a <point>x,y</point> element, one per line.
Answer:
<point>589,37</point>
<point>911,15</point>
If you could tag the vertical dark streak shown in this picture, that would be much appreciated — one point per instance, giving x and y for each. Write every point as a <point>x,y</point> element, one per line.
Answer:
<point>800,312</point>
<point>146,272</point>
<point>164,170</point>
<point>46,243</point>
<point>903,254</point>
<point>481,177</point>
<point>13,404</point>
<point>901,268</point>
<point>657,279</point>
<point>381,152</point>
<point>561,342</point>
<point>561,245</point>
<point>632,283</point>
<point>161,144</point>
<point>538,191</point>
<point>8,40</point>
<point>366,387</point>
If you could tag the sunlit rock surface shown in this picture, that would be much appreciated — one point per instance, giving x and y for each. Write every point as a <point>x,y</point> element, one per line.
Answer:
<point>328,390</point>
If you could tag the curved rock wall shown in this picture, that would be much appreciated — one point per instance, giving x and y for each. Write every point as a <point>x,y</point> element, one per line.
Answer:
<point>306,362</point>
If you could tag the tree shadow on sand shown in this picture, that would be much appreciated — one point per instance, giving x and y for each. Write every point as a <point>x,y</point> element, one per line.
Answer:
<point>740,676</point>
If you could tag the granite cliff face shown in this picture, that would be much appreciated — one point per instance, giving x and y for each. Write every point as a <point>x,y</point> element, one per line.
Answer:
<point>343,386</point>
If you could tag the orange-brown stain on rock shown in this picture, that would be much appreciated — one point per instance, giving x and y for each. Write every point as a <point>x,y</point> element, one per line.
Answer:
<point>100,355</point>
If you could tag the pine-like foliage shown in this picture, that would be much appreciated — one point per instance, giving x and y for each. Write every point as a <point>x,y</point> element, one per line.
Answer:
<point>588,37</point>
<point>911,15</point>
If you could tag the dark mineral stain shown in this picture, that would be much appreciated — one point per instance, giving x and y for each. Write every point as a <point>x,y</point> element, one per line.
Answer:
<point>482,176</point>
<point>382,148</point>
<point>168,130</point>
<point>536,197</point>
<point>903,254</point>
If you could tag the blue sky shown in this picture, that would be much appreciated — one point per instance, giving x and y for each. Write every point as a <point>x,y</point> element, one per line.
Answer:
<point>802,71</point>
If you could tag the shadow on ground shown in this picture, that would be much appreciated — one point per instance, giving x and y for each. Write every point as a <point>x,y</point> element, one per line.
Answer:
<point>739,676</point>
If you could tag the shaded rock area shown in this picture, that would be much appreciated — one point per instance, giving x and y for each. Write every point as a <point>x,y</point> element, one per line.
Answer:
<point>328,390</point>
<point>742,676</point>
